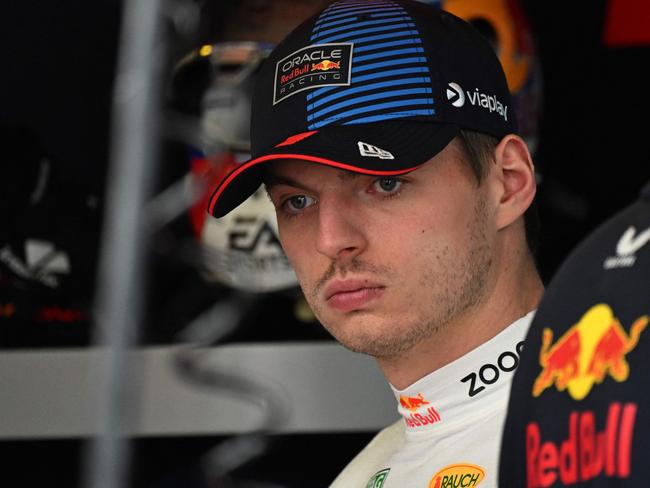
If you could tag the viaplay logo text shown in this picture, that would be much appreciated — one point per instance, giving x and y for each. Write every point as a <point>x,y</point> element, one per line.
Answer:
<point>310,67</point>
<point>457,97</point>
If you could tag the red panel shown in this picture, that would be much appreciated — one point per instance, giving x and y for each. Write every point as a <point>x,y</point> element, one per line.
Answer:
<point>627,23</point>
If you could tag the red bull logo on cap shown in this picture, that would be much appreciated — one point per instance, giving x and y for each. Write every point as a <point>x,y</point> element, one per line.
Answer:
<point>326,65</point>
<point>590,350</point>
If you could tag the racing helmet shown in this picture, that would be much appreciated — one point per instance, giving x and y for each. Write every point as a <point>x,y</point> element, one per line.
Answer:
<point>213,84</point>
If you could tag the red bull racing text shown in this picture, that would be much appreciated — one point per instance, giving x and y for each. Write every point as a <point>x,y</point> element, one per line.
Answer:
<point>586,453</point>
<point>314,66</point>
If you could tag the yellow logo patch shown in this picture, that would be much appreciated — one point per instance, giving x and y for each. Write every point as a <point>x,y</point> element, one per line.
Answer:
<point>590,350</point>
<point>458,476</point>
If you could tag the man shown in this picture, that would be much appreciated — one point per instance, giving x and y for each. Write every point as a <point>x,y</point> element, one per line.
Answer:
<point>384,132</point>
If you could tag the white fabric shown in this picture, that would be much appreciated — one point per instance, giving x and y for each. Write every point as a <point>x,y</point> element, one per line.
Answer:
<point>442,425</point>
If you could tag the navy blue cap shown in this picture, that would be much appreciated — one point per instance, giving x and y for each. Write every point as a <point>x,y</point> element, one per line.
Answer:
<point>376,87</point>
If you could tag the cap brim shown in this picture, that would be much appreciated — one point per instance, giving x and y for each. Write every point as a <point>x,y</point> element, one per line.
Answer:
<point>410,143</point>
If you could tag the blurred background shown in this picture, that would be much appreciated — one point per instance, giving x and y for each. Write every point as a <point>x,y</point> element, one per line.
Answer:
<point>576,70</point>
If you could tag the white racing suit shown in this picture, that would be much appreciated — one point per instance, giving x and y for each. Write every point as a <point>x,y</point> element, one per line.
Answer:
<point>450,431</point>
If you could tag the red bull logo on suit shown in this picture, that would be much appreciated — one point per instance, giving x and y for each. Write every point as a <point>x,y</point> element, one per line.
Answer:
<point>587,353</point>
<point>418,418</point>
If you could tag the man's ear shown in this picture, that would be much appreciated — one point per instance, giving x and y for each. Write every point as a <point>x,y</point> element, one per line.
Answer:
<point>516,174</point>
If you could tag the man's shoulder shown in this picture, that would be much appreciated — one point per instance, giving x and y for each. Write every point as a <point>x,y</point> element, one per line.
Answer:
<point>373,458</point>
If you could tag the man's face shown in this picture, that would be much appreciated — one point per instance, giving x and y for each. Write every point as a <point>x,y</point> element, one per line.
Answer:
<point>385,262</point>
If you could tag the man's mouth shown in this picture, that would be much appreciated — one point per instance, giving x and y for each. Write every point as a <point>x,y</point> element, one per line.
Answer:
<point>354,294</point>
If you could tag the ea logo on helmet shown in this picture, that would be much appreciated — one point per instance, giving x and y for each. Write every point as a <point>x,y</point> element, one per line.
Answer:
<point>455,94</point>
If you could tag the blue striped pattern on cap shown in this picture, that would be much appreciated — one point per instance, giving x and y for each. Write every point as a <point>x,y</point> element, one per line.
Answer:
<point>390,75</point>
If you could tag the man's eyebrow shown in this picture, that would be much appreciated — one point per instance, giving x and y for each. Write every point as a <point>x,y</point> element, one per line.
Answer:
<point>270,180</point>
<point>348,175</point>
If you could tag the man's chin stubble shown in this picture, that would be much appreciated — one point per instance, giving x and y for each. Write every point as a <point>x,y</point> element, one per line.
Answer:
<point>387,346</point>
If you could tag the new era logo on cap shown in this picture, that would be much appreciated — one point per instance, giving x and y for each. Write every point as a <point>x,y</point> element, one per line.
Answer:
<point>366,149</point>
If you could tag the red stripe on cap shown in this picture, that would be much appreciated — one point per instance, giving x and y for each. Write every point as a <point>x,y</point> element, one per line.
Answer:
<point>297,138</point>
<point>303,157</point>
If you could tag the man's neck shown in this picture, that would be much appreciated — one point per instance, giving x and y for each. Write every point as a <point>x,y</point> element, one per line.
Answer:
<point>507,302</point>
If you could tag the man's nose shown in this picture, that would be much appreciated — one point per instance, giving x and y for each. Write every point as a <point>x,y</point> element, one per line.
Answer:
<point>341,233</point>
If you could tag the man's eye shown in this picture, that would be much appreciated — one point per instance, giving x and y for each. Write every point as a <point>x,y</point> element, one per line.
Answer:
<point>387,184</point>
<point>297,203</point>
